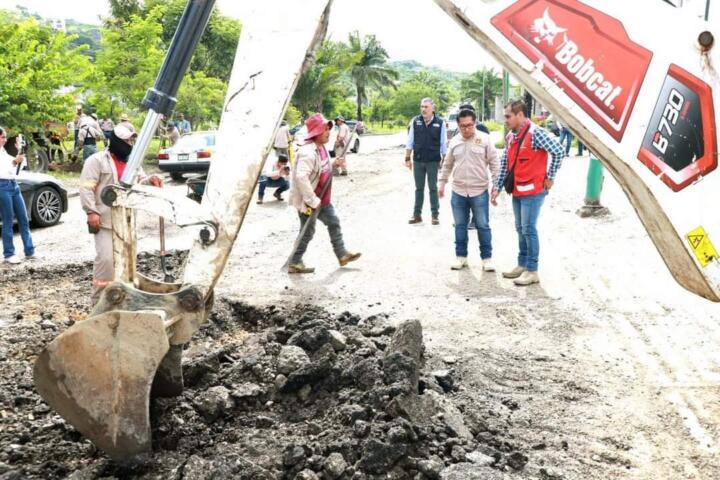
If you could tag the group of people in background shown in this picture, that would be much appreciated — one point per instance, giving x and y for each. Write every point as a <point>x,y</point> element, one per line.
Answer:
<point>526,170</point>
<point>277,172</point>
<point>88,130</point>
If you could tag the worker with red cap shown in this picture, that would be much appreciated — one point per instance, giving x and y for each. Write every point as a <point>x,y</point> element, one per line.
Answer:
<point>311,189</point>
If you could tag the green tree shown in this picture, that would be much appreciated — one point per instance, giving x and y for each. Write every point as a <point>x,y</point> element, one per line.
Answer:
<point>370,69</point>
<point>481,88</point>
<point>443,93</point>
<point>39,72</point>
<point>381,110</point>
<point>121,11</point>
<point>406,100</point>
<point>323,79</point>
<point>129,60</point>
<point>216,51</point>
<point>201,98</point>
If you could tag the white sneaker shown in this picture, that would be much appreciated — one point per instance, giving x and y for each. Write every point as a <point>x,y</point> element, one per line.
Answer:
<point>488,265</point>
<point>460,264</point>
<point>14,259</point>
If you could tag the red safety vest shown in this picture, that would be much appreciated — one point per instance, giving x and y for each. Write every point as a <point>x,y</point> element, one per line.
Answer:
<point>531,170</point>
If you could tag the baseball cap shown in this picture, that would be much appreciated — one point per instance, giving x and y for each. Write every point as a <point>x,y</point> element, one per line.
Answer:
<point>123,132</point>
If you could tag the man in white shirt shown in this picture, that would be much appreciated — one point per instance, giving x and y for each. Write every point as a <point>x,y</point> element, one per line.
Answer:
<point>282,139</point>
<point>342,141</point>
<point>12,205</point>
<point>276,175</point>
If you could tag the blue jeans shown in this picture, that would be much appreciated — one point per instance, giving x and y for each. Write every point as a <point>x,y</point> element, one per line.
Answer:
<point>527,211</point>
<point>280,183</point>
<point>581,148</point>
<point>12,206</point>
<point>566,135</point>
<point>461,207</point>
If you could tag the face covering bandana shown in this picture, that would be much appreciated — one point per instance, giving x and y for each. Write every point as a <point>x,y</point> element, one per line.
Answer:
<point>119,147</point>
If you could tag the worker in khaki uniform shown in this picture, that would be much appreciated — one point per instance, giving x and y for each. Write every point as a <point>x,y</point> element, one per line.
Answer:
<point>311,190</point>
<point>100,170</point>
<point>342,141</point>
<point>472,160</point>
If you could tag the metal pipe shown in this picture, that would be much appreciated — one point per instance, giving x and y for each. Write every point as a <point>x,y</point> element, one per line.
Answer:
<point>141,146</point>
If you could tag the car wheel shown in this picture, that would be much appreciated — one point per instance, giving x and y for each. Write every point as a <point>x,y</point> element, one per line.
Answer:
<point>178,177</point>
<point>356,147</point>
<point>37,160</point>
<point>46,207</point>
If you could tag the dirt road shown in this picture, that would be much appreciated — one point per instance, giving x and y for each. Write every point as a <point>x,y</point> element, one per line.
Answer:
<point>608,370</point>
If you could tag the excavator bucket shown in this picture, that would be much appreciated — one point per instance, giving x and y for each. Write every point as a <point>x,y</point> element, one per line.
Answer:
<point>98,375</point>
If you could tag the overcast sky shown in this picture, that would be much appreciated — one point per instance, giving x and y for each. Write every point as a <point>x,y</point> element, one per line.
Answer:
<point>402,27</point>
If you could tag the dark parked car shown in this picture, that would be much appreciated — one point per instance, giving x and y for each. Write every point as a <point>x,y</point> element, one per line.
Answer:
<point>45,198</point>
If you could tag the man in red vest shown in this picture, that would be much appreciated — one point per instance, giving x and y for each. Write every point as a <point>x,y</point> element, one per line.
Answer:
<point>524,164</point>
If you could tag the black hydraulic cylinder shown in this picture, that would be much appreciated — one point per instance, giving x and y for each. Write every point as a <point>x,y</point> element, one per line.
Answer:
<point>161,97</point>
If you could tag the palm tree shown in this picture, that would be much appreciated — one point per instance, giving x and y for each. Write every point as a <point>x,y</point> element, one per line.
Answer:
<point>333,59</point>
<point>482,87</point>
<point>369,69</point>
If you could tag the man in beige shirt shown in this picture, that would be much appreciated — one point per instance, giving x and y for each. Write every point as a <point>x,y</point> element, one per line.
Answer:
<point>342,142</point>
<point>473,161</point>
<point>100,170</point>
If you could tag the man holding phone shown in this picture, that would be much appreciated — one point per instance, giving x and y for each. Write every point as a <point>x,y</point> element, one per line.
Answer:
<point>12,205</point>
<point>276,176</point>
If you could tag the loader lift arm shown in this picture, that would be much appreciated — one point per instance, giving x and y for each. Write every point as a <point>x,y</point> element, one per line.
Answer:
<point>98,374</point>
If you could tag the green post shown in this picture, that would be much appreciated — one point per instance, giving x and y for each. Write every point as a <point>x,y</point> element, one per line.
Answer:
<point>594,180</point>
<point>593,190</point>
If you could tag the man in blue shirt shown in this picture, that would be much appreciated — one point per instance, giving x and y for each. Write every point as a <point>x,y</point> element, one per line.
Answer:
<point>426,146</point>
<point>183,125</point>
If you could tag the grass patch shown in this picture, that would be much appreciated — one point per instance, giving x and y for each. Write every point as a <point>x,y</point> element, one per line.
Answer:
<point>375,127</point>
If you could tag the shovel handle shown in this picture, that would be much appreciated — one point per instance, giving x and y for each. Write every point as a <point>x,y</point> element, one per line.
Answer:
<point>162,237</point>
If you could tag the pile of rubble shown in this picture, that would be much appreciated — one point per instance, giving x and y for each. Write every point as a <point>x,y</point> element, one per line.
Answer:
<point>272,394</point>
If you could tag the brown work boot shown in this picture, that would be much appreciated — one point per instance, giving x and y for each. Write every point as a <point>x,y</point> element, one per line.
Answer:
<point>514,273</point>
<point>299,268</point>
<point>347,258</point>
<point>413,220</point>
<point>278,196</point>
<point>435,221</point>
<point>527,278</point>
<point>259,201</point>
